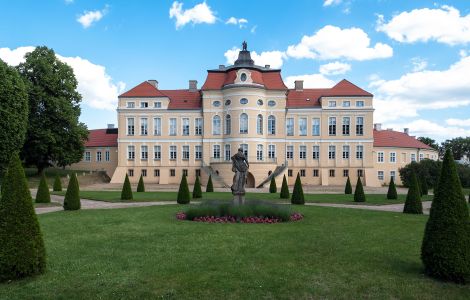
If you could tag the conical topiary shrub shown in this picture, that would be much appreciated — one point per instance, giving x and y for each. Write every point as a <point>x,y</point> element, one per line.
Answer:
<point>392,190</point>
<point>413,203</point>
<point>126,193</point>
<point>57,187</point>
<point>298,192</point>
<point>72,196</point>
<point>22,251</point>
<point>140,185</point>
<point>348,187</point>
<point>210,186</point>
<point>272,186</point>
<point>43,195</point>
<point>197,191</point>
<point>359,195</point>
<point>423,187</point>
<point>445,251</point>
<point>183,193</point>
<point>284,188</point>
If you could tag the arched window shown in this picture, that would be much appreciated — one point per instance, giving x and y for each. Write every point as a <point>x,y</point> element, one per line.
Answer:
<point>228,124</point>
<point>216,125</point>
<point>259,124</point>
<point>245,149</point>
<point>243,123</point>
<point>272,125</point>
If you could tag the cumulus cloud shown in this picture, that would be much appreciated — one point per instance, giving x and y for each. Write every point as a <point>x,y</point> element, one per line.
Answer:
<point>331,2</point>
<point>96,86</point>
<point>200,13</point>
<point>444,25</point>
<point>273,58</point>
<point>89,17</point>
<point>458,122</point>
<point>419,64</point>
<point>334,68</point>
<point>310,81</point>
<point>331,42</point>
<point>422,127</point>
<point>234,21</point>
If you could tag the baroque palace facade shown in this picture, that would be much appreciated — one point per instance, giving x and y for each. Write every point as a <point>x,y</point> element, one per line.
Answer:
<point>324,135</point>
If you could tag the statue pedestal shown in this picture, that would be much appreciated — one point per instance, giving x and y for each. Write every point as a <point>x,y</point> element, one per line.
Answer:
<point>238,199</point>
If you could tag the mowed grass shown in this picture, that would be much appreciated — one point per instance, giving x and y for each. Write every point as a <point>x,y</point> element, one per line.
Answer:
<point>145,253</point>
<point>115,196</point>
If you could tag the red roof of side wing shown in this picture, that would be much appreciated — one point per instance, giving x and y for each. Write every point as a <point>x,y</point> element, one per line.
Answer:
<point>346,88</point>
<point>102,138</point>
<point>390,138</point>
<point>183,99</point>
<point>145,89</point>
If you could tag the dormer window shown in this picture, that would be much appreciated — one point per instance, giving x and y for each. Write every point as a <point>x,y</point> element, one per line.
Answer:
<point>130,104</point>
<point>331,103</point>
<point>360,103</point>
<point>157,105</point>
<point>243,77</point>
<point>144,104</point>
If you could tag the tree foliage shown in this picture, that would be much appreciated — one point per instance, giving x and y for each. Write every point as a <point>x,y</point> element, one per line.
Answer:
<point>54,133</point>
<point>392,190</point>
<point>423,187</point>
<point>348,187</point>
<point>210,186</point>
<point>413,203</point>
<point>57,187</point>
<point>284,188</point>
<point>183,193</point>
<point>43,195</point>
<point>126,192</point>
<point>359,195</point>
<point>197,190</point>
<point>22,251</point>
<point>141,185</point>
<point>272,186</point>
<point>298,192</point>
<point>459,146</point>
<point>445,250</point>
<point>429,141</point>
<point>72,195</point>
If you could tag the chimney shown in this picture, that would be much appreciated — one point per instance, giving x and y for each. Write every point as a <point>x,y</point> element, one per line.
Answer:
<point>406,131</point>
<point>153,82</point>
<point>110,126</point>
<point>193,85</point>
<point>299,85</point>
<point>267,66</point>
<point>378,126</point>
<point>221,67</point>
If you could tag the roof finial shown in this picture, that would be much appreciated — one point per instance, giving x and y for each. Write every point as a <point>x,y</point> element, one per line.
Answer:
<point>244,45</point>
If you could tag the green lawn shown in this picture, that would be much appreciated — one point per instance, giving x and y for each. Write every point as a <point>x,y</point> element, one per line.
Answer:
<point>114,196</point>
<point>145,253</point>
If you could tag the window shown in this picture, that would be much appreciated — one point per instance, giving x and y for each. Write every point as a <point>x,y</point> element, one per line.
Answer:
<point>359,125</point>
<point>289,173</point>
<point>243,77</point>
<point>130,104</point>
<point>243,123</point>
<point>156,172</point>
<point>243,101</point>
<point>172,126</point>
<point>216,151</point>
<point>259,152</point>
<point>380,157</point>
<point>331,152</point>
<point>198,172</point>
<point>331,103</point>
<point>271,125</point>
<point>332,126</point>
<point>303,126</point>
<point>130,126</point>
<point>259,124</point>
<point>228,124</point>
<point>360,173</point>
<point>216,103</point>
<point>359,152</point>
<point>315,173</point>
<point>198,126</point>
<point>271,103</point>
<point>290,126</point>
<point>172,172</point>
<point>403,155</point>
<point>393,157</point>
<point>157,104</point>
<point>143,172</point>
<point>173,152</point>
<point>228,102</point>
<point>332,173</point>
<point>303,152</point>
<point>87,156</point>
<point>259,102</point>
<point>380,175</point>
<point>144,153</point>
<point>185,152</point>
<point>413,157</point>
<point>185,126</point>
<point>130,172</point>
<point>227,152</point>
<point>346,103</point>
<point>131,152</point>
<point>144,104</point>
<point>360,103</point>
<point>157,152</point>
<point>346,125</point>
<point>143,126</point>
<point>98,156</point>
<point>316,126</point>
<point>198,152</point>
<point>345,151</point>
<point>272,151</point>
<point>421,156</point>
<point>316,152</point>
<point>345,173</point>
<point>302,172</point>
<point>185,172</point>
<point>392,174</point>
<point>290,152</point>
<point>157,126</point>
<point>107,155</point>
<point>245,149</point>
<point>216,125</point>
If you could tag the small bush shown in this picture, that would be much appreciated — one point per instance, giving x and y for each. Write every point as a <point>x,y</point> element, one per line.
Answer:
<point>359,195</point>
<point>210,186</point>
<point>272,186</point>
<point>298,192</point>
<point>348,187</point>
<point>183,193</point>
<point>140,185</point>
<point>57,187</point>
<point>413,203</point>
<point>392,190</point>
<point>126,193</point>
<point>43,195</point>
<point>197,191</point>
<point>284,188</point>
<point>72,196</point>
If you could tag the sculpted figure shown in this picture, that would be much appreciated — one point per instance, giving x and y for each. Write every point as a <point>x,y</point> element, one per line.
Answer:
<point>244,45</point>
<point>240,166</point>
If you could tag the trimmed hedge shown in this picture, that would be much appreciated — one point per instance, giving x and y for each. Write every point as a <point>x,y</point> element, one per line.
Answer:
<point>272,186</point>
<point>43,195</point>
<point>392,190</point>
<point>183,193</point>
<point>141,185</point>
<point>210,186</point>
<point>413,203</point>
<point>126,193</point>
<point>348,187</point>
<point>72,196</point>
<point>197,191</point>
<point>359,195</point>
<point>423,187</point>
<point>22,251</point>
<point>57,187</point>
<point>298,192</point>
<point>284,189</point>
<point>445,251</point>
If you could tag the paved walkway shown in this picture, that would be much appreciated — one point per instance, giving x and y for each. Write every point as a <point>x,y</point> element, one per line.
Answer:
<point>388,207</point>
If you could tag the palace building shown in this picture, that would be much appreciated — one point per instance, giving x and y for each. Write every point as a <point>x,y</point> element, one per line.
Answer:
<point>324,135</point>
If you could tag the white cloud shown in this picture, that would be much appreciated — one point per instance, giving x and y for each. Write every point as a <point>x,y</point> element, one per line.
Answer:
<point>419,64</point>
<point>96,86</point>
<point>332,42</point>
<point>423,127</point>
<point>234,21</point>
<point>200,13</point>
<point>272,58</point>
<point>253,29</point>
<point>444,25</point>
<point>331,2</point>
<point>335,68</point>
<point>310,81</point>
<point>458,122</point>
<point>89,17</point>
<point>463,53</point>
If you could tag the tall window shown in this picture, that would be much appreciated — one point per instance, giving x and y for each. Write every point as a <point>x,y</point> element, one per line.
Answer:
<point>144,152</point>
<point>393,157</point>
<point>315,126</point>
<point>271,125</point>
<point>107,155</point>
<point>245,149</point>
<point>380,157</point>
<point>173,152</point>
<point>228,124</point>
<point>131,152</point>
<point>332,126</point>
<point>380,175</point>
<point>316,152</point>
<point>259,152</point>
<point>198,152</point>
<point>290,126</point>
<point>243,123</point>
<point>346,125</point>
<point>303,152</point>
<point>359,152</point>
<point>290,152</point>
<point>185,152</point>
<point>87,156</point>
<point>216,151</point>
<point>157,126</point>
<point>198,126</point>
<point>172,126</point>
<point>359,125</point>
<point>413,156</point>
<point>130,126</point>
<point>345,151</point>
<point>143,126</point>
<point>421,156</point>
<point>392,174</point>
<point>216,125</point>
<point>331,152</point>
<point>185,126</point>
<point>227,151</point>
<point>259,124</point>
<point>157,152</point>
<point>302,126</point>
<point>272,151</point>
<point>98,156</point>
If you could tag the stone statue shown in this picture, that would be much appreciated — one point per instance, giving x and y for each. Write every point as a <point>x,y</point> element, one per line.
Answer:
<point>240,166</point>
<point>244,45</point>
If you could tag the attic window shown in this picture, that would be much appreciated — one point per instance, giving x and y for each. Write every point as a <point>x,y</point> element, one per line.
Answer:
<point>243,77</point>
<point>308,99</point>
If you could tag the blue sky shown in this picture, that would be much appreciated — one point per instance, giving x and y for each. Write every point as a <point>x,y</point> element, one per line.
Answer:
<point>413,55</point>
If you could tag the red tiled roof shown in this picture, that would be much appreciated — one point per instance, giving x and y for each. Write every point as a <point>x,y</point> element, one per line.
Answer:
<point>145,89</point>
<point>270,80</point>
<point>390,138</point>
<point>100,138</point>
<point>183,99</point>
